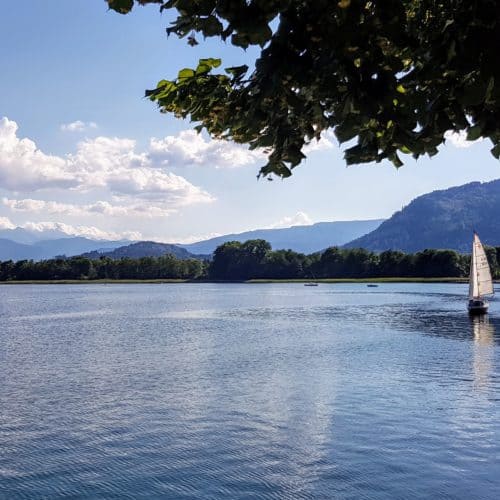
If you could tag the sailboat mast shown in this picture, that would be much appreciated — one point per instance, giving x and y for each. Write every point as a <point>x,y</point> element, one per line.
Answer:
<point>473,271</point>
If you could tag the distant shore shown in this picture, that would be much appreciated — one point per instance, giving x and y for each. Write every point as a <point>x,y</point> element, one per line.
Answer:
<point>253,281</point>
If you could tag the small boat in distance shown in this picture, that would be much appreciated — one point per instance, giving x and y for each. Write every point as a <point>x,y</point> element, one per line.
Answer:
<point>311,283</point>
<point>480,282</point>
<point>372,285</point>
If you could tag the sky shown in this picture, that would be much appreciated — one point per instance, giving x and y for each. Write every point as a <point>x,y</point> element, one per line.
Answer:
<point>82,150</point>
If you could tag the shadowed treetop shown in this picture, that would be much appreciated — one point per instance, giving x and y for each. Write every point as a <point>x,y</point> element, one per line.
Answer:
<point>387,76</point>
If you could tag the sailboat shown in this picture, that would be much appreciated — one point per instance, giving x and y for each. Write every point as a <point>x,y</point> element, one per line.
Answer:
<point>480,282</point>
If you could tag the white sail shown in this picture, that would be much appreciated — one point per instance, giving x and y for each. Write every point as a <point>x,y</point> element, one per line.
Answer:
<point>480,282</point>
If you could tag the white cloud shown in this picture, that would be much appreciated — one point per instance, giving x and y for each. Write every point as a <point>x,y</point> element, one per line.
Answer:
<point>190,148</point>
<point>459,139</point>
<point>24,167</point>
<point>132,210</point>
<point>299,219</point>
<point>102,163</point>
<point>5,223</point>
<point>29,205</point>
<point>86,231</point>
<point>195,238</point>
<point>114,164</point>
<point>98,208</point>
<point>78,126</point>
<point>325,142</point>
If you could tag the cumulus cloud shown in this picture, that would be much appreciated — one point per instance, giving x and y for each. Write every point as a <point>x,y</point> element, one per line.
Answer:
<point>78,126</point>
<point>98,208</point>
<point>299,219</point>
<point>191,148</point>
<point>5,223</point>
<point>30,205</point>
<point>114,164</point>
<point>24,167</point>
<point>105,163</point>
<point>91,232</point>
<point>459,139</point>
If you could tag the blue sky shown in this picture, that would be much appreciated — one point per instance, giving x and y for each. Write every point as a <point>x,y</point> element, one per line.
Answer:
<point>81,149</point>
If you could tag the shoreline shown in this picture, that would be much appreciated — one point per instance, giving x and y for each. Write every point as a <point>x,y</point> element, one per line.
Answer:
<point>250,282</point>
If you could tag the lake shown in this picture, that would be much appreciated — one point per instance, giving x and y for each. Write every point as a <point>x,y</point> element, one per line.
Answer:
<point>248,391</point>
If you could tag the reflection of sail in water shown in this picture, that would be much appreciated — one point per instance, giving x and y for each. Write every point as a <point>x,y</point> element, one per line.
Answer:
<point>484,340</point>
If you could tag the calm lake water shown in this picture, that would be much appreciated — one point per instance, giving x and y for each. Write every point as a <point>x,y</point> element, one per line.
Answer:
<point>248,391</point>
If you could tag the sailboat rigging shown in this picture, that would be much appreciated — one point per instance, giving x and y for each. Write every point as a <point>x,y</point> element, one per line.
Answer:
<point>480,282</point>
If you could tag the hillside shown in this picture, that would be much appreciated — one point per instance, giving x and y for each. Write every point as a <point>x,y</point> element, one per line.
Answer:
<point>441,219</point>
<point>305,239</point>
<point>144,249</point>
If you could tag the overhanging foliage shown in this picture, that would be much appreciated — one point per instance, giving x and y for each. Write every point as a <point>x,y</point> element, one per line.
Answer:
<point>391,75</point>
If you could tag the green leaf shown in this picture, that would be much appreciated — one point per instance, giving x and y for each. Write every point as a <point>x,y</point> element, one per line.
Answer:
<point>121,6</point>
<point>211,26</point>
<point>346,131</point>
<point>394,158</point>
<point>237,71</point>
<point>474,133</point>
<point>185,73</point>
<point>240,40</point>
<point>495,151</point>
<point>202,69</point>
<point>211,62</point>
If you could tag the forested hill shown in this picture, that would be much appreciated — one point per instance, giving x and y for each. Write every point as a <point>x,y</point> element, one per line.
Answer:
<point>441,219</point>
<point>305,239</point>
<point>144,249</point>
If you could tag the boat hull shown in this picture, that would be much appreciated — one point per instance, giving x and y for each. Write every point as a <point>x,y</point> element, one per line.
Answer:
<point>478,306</point>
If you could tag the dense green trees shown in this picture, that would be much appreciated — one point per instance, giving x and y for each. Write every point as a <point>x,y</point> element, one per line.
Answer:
<point>393,75</point>
<point>76,268</point>
<point>241,261</point>
<point>235,261</point>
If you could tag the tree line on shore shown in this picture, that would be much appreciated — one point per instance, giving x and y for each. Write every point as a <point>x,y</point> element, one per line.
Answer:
<point>254,259</point>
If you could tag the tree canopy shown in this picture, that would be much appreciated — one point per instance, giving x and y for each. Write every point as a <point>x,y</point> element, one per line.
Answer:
<point>254,259</point>
<point>387,76</point>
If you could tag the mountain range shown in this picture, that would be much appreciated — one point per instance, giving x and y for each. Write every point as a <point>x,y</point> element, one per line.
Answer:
<point>49,248</point>
<point>304,239</point>
<point>441,219</point>
<point>19,243</point>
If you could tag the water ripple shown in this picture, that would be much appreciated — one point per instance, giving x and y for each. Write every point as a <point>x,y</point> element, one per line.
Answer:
<point>238,391</point>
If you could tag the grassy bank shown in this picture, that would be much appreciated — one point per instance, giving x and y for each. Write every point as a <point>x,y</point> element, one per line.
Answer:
<point>255,281</point>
